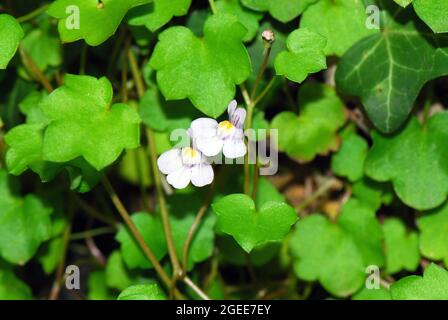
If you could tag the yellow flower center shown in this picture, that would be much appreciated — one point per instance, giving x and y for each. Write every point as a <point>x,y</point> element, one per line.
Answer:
<point>190,153</point>
<point>225,128</point>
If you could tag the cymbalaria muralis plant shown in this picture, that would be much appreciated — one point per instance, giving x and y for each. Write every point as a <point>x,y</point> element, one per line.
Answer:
<point>224,149</point>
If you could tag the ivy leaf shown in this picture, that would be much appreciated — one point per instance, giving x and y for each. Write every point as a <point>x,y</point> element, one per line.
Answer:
<point>347,16</point>
<point>11,287</point>
<point>305,55</point>
<point>91,14</point>
<point>382,69</point>
<point>433,237</point>
<point>135,168</point>
<point>414,161</point>
<point>142,292</point>
<point>10,34</point>
<point>24,222</point>
<point>433,13</point>
<point>219,60</point>
<point>372,193</point>
<point>432,286</point>
<point>403,3</point>
<point>52,254</point>
<point>349,160</point>
<point>97,287</point>
<point>401,247</point>
<point>238,217</point>
<point>313,132</point>
<point>83,123</point>
<point>117,276</point>
<point>336,254</point>
<point>247,18</point>
<point>372,294</point>
<point>151,230</point>
<point>282,10</point>
<point>157,14</point>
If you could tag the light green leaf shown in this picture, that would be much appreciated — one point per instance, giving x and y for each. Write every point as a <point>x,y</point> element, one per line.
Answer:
<point>433,227</point>
<point>313,132</point>
<point>142,292</point>
<point>305,55</point>
<point>157,14</point>
<point>135,167</point>
<point>24,222</point>
<point>401,247</point>
<point>238,217</point>
<point>213,59</point>
<point>249,19</point>
<point>434,13</point>
<point>10,34</point>
<point>403,3</point>
<point>349,160</point>
<point>414,161</point>
<point>282,10</point>
<point>336,254</point>
<point>348,17</point>
<point>51,255</point>
<point>432,286</point>
<point>151,230</point>
<point>383,71</point>
<point>80,20</point>
<point>372,193</point>
<point>117,276</point>
<point>12,288</point>
<point>97,288</point>
<point>84,123</point>
<point>372,294</point>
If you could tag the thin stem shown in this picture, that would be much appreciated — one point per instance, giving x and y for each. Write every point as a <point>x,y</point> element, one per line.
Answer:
<point>195,225</point>
<point>33,14</point>
<point>143,245</point>
<point>34,70</point>
<point>250,111</point>
<point>196,289</point>
<point>213,6</point>
<point>92,233</point>
<point>139,83</point>
<point>124,74</point>
<point>255,182</point>
<point>324,188</point>
<point>95,213</point>
<point>82,64</point>
<point>265,90</point>
<point>267,53</point>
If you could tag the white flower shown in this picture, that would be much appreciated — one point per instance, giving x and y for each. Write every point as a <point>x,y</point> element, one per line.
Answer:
<point>184,165</point>
<point>210,137</point>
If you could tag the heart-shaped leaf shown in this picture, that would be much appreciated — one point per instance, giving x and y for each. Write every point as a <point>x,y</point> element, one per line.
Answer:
<point>238,217</point>
<point>10,35</point>
<point>142,292</point>
<point>434,13</point>
<point>219,60</point>
<point>12,288</point>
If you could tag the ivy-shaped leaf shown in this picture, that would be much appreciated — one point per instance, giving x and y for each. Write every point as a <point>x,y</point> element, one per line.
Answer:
<point>282,10</point>
<point>12,288</point>
<point>142,292</point>
<point>401,247</point>
<point>155,15</point>
<point>348,17</point>
<point>219,60</point>
<point>117,276</point>
<point>414,160</point>
<point>433,236</point>
<point>80,19</point>
<point>336,254</point>
<point>24,222</point>
<point>10,34</point>
<point>83,123</point>
<point>97,287</point>
<point>238,217</point>
<point>403,3</point>
<point>305,55</point>
<point>434,13</point>
<point>372,193</point>
<point>313,132</point>
<point>373,294</point>
<point>383,70</point>
<point>432,286</point>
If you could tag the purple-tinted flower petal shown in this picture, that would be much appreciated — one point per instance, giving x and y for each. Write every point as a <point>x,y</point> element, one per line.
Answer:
<point>202,175</point>
<point>170,161</point>
<point>179,179</point>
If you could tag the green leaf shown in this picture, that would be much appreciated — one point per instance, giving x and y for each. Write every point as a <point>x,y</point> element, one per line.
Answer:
<point>432,286</point>
<point>403,3</point>
<point>348,17</point>
<point>10,34</point>
<point>433,227</point>
<point>135,167</point>
<point>372,193</point>
<point>248,18</point>
<point>414,161</point>
<point>84,123</point>
<point>282,10</point>
<point>142,292</point>
<point>372,294</point>
<point>313,132</point>
<point>24,222</point>
<point>117,276</point>
<point>97,288</point>
<point>157,14</point>
<point>51,255</point>
<point>349,160</point>
<point>336,254</point>
<point>383,70</point>
<point>151,230</point>
<point>97,22</point>
<point>238,217</point>
<point>202,69</point>
<point>401,247</point>
<point>305,55</point>
<point>433,13</point>
<point>11,287</point>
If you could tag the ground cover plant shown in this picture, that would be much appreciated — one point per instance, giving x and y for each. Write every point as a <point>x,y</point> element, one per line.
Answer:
<point>223,149</point>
